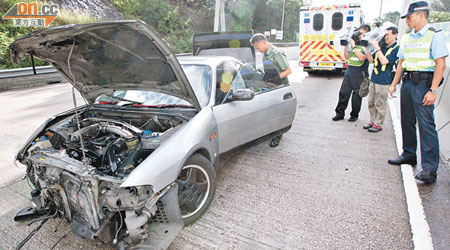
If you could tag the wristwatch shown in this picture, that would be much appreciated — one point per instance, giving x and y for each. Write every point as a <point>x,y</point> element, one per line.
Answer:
<point>434,91</point>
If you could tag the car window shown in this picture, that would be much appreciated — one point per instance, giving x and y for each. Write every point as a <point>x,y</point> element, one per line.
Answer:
<point>227,77</point>
<point>257,80</point>
<point>244,54</point>
<point>199,77</point>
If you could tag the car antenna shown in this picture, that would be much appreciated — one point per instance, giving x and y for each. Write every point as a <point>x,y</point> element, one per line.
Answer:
<point>76,109</point>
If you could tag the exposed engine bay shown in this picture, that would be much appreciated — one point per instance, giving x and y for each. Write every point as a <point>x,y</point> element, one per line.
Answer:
<point>77,166</point>
<point>112,146</point>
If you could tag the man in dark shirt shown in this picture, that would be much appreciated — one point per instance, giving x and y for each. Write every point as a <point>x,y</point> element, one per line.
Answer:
<point>384,60</point>
<point>353,77</point>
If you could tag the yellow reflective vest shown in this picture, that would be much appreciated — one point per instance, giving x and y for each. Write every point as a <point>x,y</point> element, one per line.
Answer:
<point>353,59</point>
<point>417,52</point>
<point>376,61</point>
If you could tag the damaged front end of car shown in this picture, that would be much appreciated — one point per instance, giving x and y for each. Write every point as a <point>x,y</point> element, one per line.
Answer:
<point>77,174</point>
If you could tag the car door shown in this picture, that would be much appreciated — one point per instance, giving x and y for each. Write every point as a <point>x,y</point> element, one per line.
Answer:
<point>272,109</point>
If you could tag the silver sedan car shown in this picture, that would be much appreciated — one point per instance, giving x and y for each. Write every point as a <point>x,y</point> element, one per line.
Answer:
<point>139,160</point>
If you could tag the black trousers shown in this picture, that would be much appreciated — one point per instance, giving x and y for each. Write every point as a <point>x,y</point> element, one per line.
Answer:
<point>350,87</point>
<point>413,111</point>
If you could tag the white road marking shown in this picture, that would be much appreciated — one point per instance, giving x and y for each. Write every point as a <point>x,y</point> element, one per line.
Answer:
<point>419,226</point>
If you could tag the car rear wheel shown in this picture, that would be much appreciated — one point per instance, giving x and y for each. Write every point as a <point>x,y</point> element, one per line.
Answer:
<point>196,188</point>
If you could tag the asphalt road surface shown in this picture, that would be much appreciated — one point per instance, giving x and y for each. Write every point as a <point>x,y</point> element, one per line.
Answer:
<point>326,186</point>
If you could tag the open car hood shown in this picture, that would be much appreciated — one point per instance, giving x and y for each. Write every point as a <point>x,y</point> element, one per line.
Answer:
<point>109,56</point>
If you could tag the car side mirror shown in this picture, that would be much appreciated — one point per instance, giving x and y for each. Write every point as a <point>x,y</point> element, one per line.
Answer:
<point>242,95</point>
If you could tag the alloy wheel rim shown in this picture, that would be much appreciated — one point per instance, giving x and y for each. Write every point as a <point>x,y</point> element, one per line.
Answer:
<point>193,189</point>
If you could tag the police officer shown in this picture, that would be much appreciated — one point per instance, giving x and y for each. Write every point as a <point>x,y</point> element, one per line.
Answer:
<point>276,66</point>
<point>422,60</point>
<point>353,77</point>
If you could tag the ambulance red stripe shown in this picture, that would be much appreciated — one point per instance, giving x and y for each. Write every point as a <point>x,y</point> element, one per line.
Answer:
<point>304,48</point>
<point>311,58</point>
<point>332,58</point>
<point>307,56</point>
<point>317,45</point>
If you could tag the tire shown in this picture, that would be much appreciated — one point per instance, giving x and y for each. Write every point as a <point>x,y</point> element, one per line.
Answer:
<point>196,188</point>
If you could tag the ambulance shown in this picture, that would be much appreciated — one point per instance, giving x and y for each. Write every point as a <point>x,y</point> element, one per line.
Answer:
<point>321,29</point>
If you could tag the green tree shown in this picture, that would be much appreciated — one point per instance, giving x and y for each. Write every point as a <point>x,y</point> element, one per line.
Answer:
<point>441,5</point>
<point>392,17</point>
<point>8,33</point>
<point>268,15</point>
<point>163,18</point>
<point>440,11</point>
<point>439,16</point>
<point>292,19</point>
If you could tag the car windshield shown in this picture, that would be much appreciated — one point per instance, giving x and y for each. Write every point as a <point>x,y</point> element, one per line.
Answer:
<point>199,77</point>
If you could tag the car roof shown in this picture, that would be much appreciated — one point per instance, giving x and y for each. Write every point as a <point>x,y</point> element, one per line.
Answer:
<point>206,60</point>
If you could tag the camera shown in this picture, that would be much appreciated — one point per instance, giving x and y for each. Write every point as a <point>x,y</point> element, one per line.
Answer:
<point>376,35</point>
<point>355,37</point>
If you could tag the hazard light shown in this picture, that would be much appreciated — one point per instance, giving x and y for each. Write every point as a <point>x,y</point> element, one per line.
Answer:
<point>345,65</point>
<point>304,64</point>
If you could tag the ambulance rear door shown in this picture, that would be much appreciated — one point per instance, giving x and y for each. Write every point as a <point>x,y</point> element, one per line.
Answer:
<point>352,19</point>
<point>313,30</point>
<point>336,24</point>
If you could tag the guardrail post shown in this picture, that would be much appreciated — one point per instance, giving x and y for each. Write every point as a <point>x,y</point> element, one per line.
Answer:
<point>32,63</point>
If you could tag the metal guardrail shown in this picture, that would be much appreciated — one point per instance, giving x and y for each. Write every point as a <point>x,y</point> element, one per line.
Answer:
<point>11,73</point>
<point>290,44</point>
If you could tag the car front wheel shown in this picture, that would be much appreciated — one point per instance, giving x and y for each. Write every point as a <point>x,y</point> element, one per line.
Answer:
<point>196,188</point>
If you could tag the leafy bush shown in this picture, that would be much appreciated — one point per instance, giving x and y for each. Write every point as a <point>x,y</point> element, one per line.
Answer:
<point>9,33</point>
<point>163,18</point>
<point>439,16</point>
<point>69,17</point>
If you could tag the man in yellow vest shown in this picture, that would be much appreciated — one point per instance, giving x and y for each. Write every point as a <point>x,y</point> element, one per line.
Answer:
<point>353,77</point>
<point>421,65</point>
<point>383,62</point>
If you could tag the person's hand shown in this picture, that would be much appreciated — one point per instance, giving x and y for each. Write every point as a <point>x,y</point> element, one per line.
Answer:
<point>429,98</point>
<point>391,90</point>
<point>352,43</point>
<point>375,44</point>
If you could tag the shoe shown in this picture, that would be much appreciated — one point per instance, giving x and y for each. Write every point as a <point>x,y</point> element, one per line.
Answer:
<point>368,126</point>
<point>352,119</point>
<point>337,118</point>
<point>403,160</point>
<point>426,176</point>
<point>374,129</point>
